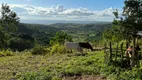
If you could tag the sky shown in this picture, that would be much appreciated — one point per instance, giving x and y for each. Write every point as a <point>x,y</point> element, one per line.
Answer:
<point>70,10</point>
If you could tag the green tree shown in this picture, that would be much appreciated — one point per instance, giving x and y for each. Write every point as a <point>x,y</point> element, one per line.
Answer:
<point>8,23</point>
<point>114,34</point>
<point>60,38</point>
<point>107,35</point>
<point>21,42</point>
<point>131,18</point>
<point>132,14</point>
<point>130,21</point>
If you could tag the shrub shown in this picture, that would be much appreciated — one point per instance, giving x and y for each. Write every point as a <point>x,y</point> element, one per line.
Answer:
<point>60,38</point>
<point>39,50</point>
<point>20,44</point>
<point>57,48</point>
<point>7,52</point>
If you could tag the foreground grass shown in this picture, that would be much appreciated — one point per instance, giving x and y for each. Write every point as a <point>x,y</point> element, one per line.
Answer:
<point>19,63</point>
<point>25,66</point>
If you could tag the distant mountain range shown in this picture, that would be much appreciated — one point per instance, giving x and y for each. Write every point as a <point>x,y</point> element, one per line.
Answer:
<point>48,22</point>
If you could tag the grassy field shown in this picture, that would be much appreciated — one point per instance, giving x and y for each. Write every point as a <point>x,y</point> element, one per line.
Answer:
<point>26,66</point>
<point>71,66</point>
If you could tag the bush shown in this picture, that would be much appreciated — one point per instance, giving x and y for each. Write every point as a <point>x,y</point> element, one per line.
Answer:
<point>57,48</point>
<point>7,52</point>
<point>20,44</point>
<point>60,38</point>
<point>39,50</point>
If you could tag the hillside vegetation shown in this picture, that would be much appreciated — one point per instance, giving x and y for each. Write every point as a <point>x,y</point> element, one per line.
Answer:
<point>69,66</point>
<point>79,32</point>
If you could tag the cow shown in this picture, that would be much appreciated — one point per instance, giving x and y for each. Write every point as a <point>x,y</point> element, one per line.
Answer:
<point>74,46</point>
<point>86,45</point>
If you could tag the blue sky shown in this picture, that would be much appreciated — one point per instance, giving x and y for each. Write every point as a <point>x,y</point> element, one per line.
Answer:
<point>93,10</point>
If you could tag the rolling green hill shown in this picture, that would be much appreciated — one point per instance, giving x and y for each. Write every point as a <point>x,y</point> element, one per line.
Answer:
<point>79,32</point>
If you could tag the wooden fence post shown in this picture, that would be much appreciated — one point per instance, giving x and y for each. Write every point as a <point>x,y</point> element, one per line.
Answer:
<point>116,51</point>
<point>133,53</point>
<point>105,54</point>
<point>110,56</point>
<point>137,54</point>
<point>127,45</point>
<point>121,54</point>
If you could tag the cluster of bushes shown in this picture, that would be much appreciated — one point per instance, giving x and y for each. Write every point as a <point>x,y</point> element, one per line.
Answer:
<point>38,50</point>
<point>54,49</point>
<point>7,52</point>
<point>57,48</point>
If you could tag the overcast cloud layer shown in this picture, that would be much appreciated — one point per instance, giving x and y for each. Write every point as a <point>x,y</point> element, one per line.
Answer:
<point>59,12</point>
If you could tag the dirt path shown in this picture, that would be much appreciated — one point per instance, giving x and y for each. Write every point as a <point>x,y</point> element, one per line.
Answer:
<point>86,77</point>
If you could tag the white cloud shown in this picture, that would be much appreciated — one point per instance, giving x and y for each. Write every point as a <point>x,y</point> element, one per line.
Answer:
<point>78,11</point>
<point>60,13</point>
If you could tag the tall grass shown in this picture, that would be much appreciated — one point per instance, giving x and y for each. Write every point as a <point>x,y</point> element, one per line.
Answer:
<point>65,65</point>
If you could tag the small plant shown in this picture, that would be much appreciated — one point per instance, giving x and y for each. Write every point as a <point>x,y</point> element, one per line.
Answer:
<point>57,48</point>
<point>39,50</point>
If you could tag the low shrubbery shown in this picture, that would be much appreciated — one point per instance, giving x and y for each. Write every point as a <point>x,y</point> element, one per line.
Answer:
<point>57,48</point>
<point>54,49</point>
<point>39,50</point>
<point>7,52</point>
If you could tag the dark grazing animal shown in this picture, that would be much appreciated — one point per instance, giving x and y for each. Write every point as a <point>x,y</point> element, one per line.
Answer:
<point>85,45</point>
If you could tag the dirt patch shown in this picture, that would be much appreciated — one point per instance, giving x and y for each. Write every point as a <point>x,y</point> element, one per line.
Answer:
<point>86,77</point>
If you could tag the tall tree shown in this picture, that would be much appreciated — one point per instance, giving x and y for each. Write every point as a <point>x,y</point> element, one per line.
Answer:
<point>133,14</point>
<point>130,20</point>
<point>8,22</point>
